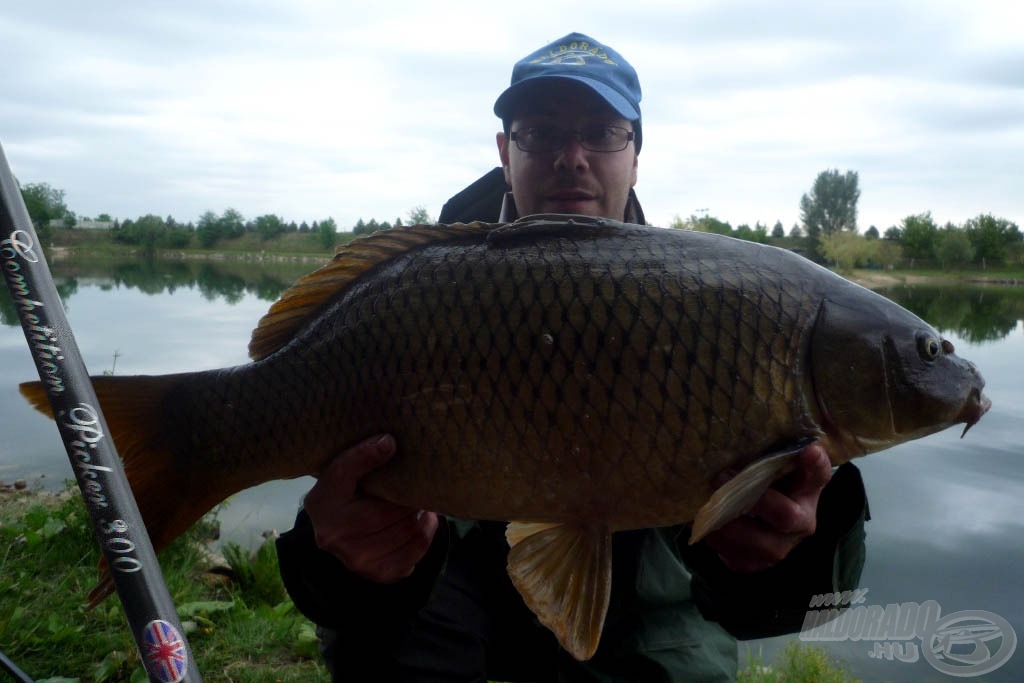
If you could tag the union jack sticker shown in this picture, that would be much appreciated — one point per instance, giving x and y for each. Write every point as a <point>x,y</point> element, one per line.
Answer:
<point>166,656</point>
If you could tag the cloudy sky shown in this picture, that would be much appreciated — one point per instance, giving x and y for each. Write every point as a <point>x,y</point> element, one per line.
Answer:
<point>310,109</point>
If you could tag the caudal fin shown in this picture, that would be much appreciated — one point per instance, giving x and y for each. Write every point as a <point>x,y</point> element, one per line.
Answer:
<point>139,412</point>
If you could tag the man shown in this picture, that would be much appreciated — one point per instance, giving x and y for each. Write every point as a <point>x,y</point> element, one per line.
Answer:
<point>404,595</point>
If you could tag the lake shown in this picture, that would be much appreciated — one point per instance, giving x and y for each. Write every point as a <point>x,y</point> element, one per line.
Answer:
<point>947,514</point>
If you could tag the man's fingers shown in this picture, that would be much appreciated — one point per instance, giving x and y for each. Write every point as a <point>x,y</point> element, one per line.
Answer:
<point>361,518</point>
<point>813,471</point>
<point>746,545</point>
<point>785,515</point>
<point>391,554</point>
<point>340,477</point>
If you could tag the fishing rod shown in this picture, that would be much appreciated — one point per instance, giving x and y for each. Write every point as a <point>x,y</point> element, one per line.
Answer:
<point>108,497</point>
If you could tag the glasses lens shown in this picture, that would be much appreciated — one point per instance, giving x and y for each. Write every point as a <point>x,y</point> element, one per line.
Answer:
<point>540,139</point>
<point>546,139</point>
<point>604,138</point>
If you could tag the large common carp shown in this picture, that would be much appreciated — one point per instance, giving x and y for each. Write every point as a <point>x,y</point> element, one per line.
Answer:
<point>575,376</point>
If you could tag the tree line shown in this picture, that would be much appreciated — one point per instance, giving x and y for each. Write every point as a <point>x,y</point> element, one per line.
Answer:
<point>827,230</point>
<point>46,206</point>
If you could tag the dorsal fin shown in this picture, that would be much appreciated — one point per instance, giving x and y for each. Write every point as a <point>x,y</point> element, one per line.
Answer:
<point>311,293</point>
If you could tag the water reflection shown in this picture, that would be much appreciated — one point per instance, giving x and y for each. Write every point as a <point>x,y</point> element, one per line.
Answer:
<point>227,280</point>
<point>974,313</point>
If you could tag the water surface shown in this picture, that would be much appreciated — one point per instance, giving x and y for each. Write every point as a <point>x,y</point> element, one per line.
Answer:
<point>948,514</point>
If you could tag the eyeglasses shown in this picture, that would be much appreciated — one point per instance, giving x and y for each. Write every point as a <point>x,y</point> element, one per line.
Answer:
<point>547,139</point>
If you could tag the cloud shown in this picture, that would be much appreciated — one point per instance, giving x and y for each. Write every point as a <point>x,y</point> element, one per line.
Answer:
<point>312,109</point>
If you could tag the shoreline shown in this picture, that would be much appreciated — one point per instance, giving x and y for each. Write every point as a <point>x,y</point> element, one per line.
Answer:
<point>877,280</point>
<point>871,279</point>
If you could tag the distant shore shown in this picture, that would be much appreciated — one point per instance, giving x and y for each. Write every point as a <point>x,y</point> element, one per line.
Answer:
<point>880,280</point>
<point>298,248</point>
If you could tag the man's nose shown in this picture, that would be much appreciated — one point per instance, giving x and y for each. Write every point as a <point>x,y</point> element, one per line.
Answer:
<point>572,155</point>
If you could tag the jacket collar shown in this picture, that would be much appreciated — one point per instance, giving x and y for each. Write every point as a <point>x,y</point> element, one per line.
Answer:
<point>634,214</point>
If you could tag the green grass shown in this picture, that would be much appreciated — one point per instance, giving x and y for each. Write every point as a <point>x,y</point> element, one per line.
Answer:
<point>291,244</point>
<point>242,629</point>
<point>796,663</point>
<point>1000,273</point>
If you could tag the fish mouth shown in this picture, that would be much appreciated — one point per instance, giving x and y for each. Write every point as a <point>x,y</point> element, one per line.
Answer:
<point>977,404</point>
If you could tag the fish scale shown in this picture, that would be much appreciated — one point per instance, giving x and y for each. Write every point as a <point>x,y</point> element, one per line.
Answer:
<point>621,393</point>
<point>573,376</point>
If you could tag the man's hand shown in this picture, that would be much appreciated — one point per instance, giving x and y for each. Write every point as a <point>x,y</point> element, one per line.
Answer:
<point>373,538</point>
<point>785,515</point>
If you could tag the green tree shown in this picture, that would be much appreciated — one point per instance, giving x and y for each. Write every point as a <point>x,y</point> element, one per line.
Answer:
<point>872,233</point>
<point>845,249</point>
<point>269,226</point>
<point>992,237</point>
<point>231,223</point>
<point>778,230</point>
<point>208,229</point>
<point>918,234</point>
<point>702,223</point>
<point>327,232</point>
<point>831,205</point>
<point>418,215</point>
<point>43,203</point>
<point>953,247</point>
<point>887,253</point>
<point>759,233</point>
<point>893,234</point>
<point>149,230</point>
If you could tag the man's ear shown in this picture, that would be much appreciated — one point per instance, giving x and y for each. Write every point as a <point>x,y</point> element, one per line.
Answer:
<point>502,141</point>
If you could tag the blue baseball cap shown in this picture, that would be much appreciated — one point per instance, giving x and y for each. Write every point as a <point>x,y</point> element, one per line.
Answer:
<point>578,58</point>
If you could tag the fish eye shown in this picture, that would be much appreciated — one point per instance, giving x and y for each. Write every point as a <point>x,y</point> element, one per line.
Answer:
<point>929,347</point>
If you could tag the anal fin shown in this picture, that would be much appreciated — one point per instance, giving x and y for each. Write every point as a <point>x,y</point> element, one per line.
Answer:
<point>564,573</point>
<point>742,492</point>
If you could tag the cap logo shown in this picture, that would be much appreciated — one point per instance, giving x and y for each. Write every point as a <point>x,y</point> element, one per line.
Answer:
<point>574,54</point>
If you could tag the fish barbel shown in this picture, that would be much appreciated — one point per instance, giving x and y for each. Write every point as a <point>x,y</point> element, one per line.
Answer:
<point>573,376</point>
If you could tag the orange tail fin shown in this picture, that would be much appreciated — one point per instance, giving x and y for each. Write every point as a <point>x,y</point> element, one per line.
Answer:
<point>167,493</point>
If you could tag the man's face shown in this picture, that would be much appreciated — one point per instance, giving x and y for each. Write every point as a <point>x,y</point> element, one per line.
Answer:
<point>571,180</point>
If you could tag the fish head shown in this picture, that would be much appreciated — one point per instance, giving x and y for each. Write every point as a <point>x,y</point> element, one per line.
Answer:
<point>883,376</point>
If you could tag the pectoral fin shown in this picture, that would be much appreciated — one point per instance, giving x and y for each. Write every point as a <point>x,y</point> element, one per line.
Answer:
<point>564,574</point>
<point>740,493</point>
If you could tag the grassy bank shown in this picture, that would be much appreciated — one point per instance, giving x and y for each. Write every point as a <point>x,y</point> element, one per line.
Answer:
<point>290,246</point>
<point>239,621</point>
<point>306,248</point>
<point>877,279</point>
